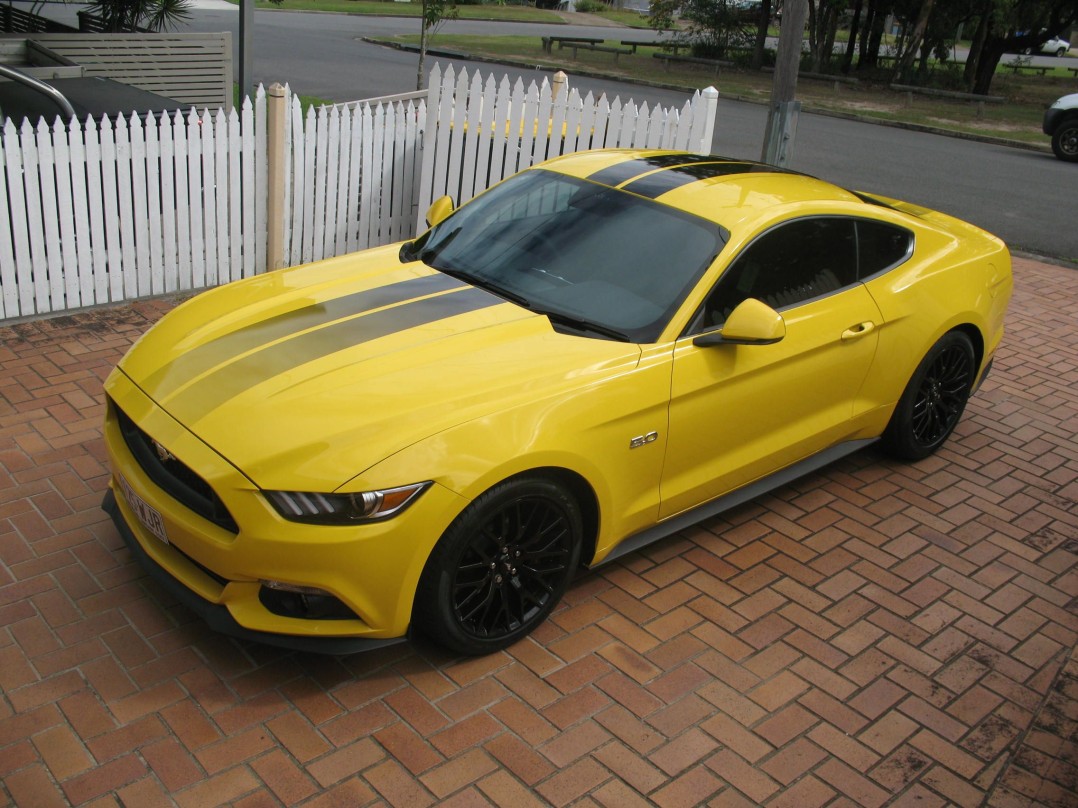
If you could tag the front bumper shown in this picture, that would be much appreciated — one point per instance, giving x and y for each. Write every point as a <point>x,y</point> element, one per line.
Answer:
<point>219,567</point>
<point>218,617</point>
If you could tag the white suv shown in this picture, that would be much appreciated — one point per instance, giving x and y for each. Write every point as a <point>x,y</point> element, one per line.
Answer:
<point>1061,123</point>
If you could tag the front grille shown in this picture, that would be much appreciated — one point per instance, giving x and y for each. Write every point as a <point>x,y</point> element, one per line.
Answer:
<point>172,476</point>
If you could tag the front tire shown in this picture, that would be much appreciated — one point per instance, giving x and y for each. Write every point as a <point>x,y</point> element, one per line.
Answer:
<point>934,399</point>
<point>1065,140</point>
<point>501,567</point>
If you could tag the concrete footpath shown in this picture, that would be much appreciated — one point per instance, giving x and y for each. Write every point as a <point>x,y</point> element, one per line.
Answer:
<point>873,634</point>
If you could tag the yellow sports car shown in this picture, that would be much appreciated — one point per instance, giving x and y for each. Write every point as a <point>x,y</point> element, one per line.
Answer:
<point>595,353</point>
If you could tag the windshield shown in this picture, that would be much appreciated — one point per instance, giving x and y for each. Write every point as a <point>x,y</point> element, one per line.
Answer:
<point>597,260</point>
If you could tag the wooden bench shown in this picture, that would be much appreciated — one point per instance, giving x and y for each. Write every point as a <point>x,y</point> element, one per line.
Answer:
<point>563,41</point>
<point>667,58</point>
<point>674,46</point>
<point>1073,70</point>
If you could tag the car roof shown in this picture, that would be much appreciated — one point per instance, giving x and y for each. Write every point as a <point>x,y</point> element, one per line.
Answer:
<point>722,189</point>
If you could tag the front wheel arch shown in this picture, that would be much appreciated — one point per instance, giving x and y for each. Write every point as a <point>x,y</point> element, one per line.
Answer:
<point>472,609</point>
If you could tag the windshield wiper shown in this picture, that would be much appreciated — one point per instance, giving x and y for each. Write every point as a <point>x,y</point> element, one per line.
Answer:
<point>486,285</point>
<point>584,325</point>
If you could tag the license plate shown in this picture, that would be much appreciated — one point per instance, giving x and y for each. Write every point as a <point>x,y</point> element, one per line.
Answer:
<point>148,516</point>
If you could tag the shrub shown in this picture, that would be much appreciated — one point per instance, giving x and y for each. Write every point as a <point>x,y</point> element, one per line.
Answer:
<point>590,6</point>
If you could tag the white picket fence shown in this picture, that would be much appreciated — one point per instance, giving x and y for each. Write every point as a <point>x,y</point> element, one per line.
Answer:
<point>103,212</point>
<point>480,131</point>
<point>95,213</point>
<point>354,174</point>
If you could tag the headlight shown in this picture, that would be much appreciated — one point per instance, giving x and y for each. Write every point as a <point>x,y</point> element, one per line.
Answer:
<point>344,509</point>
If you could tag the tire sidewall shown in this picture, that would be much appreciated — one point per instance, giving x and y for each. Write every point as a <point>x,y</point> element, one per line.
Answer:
<point>434,612</point>
<point>1068,128</point>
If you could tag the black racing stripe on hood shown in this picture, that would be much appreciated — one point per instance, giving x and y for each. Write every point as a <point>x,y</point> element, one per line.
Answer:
<point>621,172</point>
<point>198,360</point>
<point>655,184</point>
<point>232,379</point>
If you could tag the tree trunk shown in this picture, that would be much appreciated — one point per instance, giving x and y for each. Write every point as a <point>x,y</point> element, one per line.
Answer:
<point>872,35</point>
<point>913,43</point>
<point>922,62</point>
<point>832,31</point>
<point>991,54</point>
<point>422,48</point>
<point>760,43</point>
<point>814,37</point>
<point>969,74</point>
<point>847,59</point>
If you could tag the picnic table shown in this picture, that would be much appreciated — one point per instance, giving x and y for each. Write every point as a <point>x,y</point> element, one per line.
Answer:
<point>633,44</point>
<point>1014,68</point>
<point>576,43</point>
<point>563,41</point>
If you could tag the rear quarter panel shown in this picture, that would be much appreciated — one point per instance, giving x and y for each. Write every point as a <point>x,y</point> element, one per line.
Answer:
<point>958,277</point>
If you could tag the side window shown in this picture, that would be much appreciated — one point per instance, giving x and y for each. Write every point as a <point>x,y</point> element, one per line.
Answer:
<point>792,263</point>
<point>881,246</point>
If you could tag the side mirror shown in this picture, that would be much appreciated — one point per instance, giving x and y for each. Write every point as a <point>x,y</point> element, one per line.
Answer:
<point>439,209</point>
<point>752,322</point>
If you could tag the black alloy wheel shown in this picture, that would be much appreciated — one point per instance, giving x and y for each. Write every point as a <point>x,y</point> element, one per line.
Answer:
<point>501,567</point>
<point>934,399</point>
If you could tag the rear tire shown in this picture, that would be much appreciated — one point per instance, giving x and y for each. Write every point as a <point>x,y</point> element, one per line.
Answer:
<point>501,567</point>
<point>934,399</point>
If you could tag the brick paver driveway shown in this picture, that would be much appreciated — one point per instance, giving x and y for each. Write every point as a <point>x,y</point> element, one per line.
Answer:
<point>873,634</point>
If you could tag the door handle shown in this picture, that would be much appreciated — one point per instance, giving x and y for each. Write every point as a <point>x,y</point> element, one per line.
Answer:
<point>859,330</point>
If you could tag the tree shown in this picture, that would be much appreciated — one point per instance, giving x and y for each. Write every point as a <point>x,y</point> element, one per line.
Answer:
<point>999,27</point>
<point>714,26</point>
<point>912,43</point>
<point>435,13</point>
<point>871,33</point>
<point>760,43</point>
<point>855,21</point>
<point>1012,26</point>
<point>147,15</point>
<point>823,17</point>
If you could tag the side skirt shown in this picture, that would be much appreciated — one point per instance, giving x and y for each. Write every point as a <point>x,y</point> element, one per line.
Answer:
<point>735,498</point>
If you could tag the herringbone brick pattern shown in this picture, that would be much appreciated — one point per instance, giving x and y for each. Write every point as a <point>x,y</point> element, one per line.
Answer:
<point>874,634</point>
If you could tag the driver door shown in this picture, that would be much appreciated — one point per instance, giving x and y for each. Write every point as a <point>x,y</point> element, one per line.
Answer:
<point>741,412</point>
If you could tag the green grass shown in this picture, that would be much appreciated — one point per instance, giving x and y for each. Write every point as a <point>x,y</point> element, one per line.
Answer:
<point>630,19</point>
<point>1018,118</point>
<point>506,13</point>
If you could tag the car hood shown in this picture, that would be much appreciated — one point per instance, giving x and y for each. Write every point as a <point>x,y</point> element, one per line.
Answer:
<point>304,378</point>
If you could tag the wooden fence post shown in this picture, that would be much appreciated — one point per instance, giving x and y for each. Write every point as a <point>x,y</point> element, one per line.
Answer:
<point>710,100</point>
<point>559,85</point>
<point>276,120</point>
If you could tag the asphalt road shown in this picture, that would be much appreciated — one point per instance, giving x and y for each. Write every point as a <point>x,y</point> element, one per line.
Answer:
<point>1025,197</point>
